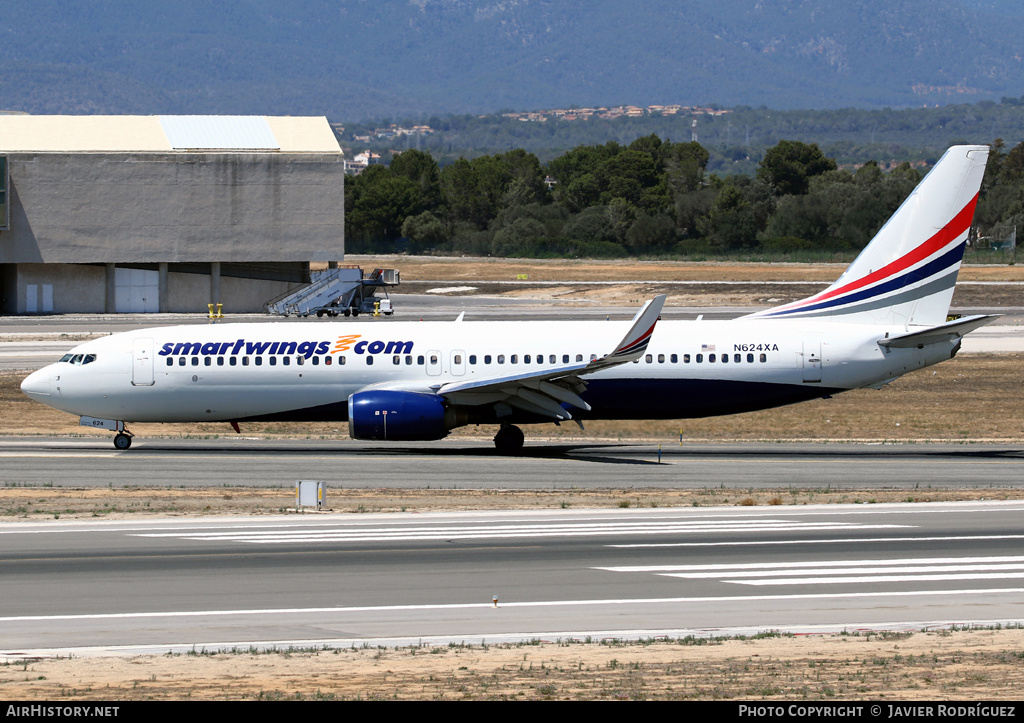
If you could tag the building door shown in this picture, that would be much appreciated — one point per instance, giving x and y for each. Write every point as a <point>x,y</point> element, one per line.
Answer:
<point>136,291</point>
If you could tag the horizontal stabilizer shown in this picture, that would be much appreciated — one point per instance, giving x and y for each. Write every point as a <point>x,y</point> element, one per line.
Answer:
<point>937,334</point>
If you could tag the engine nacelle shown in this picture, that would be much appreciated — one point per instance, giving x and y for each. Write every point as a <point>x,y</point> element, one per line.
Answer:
<point>396,415</point>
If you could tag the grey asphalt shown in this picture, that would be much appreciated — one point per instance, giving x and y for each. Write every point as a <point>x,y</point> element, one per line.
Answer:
<point>473,464</point>
<point>120,587</point>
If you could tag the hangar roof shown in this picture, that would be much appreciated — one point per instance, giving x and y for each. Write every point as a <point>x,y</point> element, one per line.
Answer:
<point>165,134</point>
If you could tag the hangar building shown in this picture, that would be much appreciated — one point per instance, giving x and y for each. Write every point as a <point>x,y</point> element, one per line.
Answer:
<point>164,213</point>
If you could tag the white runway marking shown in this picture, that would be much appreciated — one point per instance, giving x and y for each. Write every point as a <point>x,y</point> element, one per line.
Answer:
<point>831,572</point>
<point>817,541</point>
<point>320,611</point>
<point>517,531</point>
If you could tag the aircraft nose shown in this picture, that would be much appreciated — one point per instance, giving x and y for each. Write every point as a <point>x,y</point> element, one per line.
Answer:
<point>37,384</point>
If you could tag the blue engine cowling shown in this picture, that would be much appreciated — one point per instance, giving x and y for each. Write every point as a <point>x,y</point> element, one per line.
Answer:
<point>395,415</point>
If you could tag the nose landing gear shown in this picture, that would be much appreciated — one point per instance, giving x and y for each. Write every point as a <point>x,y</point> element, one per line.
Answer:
<point>123,440</point>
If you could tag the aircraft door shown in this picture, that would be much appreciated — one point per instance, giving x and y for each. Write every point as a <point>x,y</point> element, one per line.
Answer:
<point>812,359</point>
<point>457,363</point>
<point>433,363</point>
<point>142,363</point>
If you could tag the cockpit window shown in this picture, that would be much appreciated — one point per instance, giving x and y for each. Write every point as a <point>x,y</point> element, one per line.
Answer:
<point>78,359</point>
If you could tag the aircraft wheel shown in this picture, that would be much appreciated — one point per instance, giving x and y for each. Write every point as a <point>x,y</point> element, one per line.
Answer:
<point>122,441</point>
<point>509,439</point>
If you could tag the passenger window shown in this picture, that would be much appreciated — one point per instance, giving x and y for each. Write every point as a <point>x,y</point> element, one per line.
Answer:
<point>327,361</point>
<point>711,358</point>
<point>487,358</point>
<point>700,358</point>
<point>565,358</point>
<point>258,361</point>
<point>648,358</point>
<point>686,358</point>
<point>341,359</point>
<point>737,358</point>
<point>181,361</point>
<point>551,359</point>
<point>514,359</point>
<point>501,358</point>
<point>208,361</point>
<point>286,360</point>
<point>750,358</point>
<point>458,358</point>
<point>419,360</point>
<point>220,361</point>
<point>675,359</point>
<point>433,359</point>
<point>408,360</point>
<point>725,358</point>
<point>170,362</point>
<point>593,357</point>
<point>764,358</point>
<point>245,361</point>
<point>369,360</point>
<point>396,360</point>
<point>273,361</point>
<point>233,361</point>
<point>316,361</point>
<point>526,358</point>
<point>472,358</point>
<point>300,360</point>
<point>579,357</point>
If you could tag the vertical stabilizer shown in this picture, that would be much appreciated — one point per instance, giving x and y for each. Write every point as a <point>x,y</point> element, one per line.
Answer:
<point>907,274</point>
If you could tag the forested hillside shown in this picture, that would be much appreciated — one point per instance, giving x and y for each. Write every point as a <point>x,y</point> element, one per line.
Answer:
<point>352,59</point>
<point>735,137</point>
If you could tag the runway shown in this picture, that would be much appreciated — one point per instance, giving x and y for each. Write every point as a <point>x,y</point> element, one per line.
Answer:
<point>124,587</point>
<point>473,464</point>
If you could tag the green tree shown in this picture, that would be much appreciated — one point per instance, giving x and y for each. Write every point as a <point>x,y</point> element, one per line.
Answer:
<point>788,166</point>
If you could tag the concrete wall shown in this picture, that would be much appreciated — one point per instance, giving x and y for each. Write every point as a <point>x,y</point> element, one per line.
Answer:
<point>174,207</point>
<point>76,289</point>
<point>83,289</point>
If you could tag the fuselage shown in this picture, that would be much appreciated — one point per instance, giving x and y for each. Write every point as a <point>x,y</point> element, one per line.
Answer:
<point>296,372</point>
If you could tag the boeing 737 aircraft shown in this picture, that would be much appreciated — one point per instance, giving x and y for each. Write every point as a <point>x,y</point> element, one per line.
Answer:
<point>884,317</point>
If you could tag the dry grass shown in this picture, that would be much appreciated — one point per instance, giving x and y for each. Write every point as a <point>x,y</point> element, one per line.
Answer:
<point>974,665</point>
<point>420,268</point>
<point>40,503</point>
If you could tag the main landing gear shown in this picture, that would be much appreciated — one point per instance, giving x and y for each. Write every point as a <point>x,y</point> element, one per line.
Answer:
<point>509,439</point>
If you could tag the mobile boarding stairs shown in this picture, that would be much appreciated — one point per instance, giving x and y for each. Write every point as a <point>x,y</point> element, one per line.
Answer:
<point>331,292</point>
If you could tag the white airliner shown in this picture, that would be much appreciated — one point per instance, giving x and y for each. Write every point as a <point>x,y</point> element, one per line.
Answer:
<point>884,317</point>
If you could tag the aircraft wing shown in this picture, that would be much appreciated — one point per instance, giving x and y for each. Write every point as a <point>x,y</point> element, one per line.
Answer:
<point>936,334</point>
<point>544,390</point>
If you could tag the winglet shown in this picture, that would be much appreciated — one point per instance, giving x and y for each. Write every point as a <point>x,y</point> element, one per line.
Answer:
<point>639,335</point>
